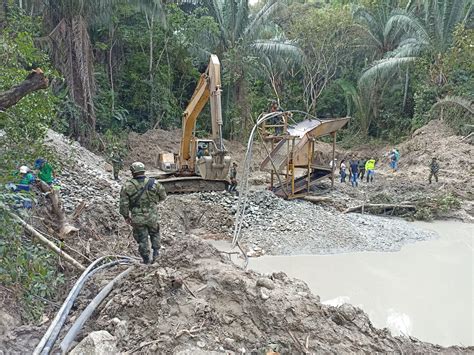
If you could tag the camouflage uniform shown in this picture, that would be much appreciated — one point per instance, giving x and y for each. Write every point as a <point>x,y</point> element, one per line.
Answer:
<point>434,169</point>
<point>143,212</point>
<point>233,178</point>
<point>117,163</point>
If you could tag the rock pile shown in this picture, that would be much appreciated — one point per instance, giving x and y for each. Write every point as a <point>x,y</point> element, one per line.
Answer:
<point>300,227</point>
<point>84,179</point>
<point>83,176</point>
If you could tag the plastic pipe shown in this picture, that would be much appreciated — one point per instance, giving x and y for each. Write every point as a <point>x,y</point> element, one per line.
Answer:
<point>54,334</point>
<point>85,315</point>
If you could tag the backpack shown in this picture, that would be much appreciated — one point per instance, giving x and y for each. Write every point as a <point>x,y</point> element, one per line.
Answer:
<point>135,202</point>
<point>397,155</point>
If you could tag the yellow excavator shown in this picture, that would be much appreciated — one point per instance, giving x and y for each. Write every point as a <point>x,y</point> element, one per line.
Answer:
<point>202,164</point>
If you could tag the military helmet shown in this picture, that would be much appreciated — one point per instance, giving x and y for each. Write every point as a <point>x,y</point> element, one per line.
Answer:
<point>137,167</point>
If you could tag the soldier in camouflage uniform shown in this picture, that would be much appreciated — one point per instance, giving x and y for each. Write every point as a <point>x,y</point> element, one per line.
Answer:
<point>233,177</point>
<point>117,162</point>
<point>434,169</point>
<point>139,200</point>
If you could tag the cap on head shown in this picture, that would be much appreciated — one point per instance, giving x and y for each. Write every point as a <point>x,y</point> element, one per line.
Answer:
<point>137,168</point>
<point>234,163</point>
<point>24,169</point>
<point>39,163</point>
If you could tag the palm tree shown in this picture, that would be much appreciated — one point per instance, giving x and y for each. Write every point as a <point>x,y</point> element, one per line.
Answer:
<point>70,45</point>
<point>68,22</point>
<point>243,38</point>
<point>425,29</point>
<point>400,36</point>
<point>379,39</point>
<point>277,64</point>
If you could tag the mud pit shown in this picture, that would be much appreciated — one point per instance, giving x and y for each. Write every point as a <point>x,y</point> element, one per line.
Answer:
<point>196,299</point>
<point>425,290</point>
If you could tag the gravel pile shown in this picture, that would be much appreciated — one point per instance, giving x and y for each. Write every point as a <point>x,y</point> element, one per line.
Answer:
<point>83,176</point>
<point>283,227</point>
<point>275,225</point>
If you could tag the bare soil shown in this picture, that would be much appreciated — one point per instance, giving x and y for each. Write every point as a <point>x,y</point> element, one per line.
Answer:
<point>195,299</point>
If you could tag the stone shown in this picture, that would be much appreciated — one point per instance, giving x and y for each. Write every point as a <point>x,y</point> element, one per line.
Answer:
<point>96,343</point>
<point>263,295</point>
<point>201,344</point>
<point>266,283</point>
<point>121,329</point>
<point>7,322</point>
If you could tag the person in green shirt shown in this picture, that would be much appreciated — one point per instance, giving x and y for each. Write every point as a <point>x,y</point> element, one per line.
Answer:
<point>45,171</point>
<point>26,178</point>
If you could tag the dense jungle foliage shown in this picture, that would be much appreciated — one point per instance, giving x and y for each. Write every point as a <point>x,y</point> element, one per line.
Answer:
<point>124,65</point>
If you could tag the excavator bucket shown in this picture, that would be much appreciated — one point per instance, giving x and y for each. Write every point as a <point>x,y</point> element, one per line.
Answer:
<point>215,167</point>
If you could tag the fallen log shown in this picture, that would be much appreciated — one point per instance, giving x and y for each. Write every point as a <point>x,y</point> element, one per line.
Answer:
<point>36,80</point>
<point>63,226</point>
<point>47,243</point>
<point>317,199</point>
<point>384,206</point>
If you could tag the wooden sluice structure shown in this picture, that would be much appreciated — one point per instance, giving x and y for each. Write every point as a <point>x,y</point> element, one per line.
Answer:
<point>294,149</point>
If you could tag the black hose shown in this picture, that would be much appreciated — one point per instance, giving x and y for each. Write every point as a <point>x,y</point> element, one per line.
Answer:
<point>67,304</point>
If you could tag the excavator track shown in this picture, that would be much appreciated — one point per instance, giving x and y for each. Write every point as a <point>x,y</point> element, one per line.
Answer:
<point>181,185</point>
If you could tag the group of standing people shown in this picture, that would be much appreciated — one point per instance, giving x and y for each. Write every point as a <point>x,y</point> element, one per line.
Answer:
<point>358,168</point>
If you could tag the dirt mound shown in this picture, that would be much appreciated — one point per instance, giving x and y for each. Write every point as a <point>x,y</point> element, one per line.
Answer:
<point>146,147</point>
<point>195,298</point>
<point>454,156</point>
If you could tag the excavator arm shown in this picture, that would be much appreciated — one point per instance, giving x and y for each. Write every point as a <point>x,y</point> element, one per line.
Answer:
<point>208,88</point>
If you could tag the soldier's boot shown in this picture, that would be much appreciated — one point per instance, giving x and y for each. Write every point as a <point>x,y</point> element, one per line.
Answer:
<point>146,259</point>
<point>156,254</point>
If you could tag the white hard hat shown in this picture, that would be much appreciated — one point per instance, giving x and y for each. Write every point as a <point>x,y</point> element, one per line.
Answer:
<point>24,169</point>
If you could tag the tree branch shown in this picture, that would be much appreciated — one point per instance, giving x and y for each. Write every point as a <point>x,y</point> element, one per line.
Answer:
<point>36,80</point>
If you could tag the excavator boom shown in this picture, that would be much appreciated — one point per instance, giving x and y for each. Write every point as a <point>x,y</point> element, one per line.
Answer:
<point>202,165</point>
<point>207,89</point>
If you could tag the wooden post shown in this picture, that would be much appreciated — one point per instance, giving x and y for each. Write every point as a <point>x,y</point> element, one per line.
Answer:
<point>272,171</point>
<point>333,157</point>
<point>292,168</point>
<point>310,158</point>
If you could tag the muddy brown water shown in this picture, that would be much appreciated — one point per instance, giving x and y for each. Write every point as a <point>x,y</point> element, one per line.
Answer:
<point>426,290</point>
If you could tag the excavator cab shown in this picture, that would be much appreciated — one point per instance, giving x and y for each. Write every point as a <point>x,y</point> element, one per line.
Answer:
<point>211,163</point>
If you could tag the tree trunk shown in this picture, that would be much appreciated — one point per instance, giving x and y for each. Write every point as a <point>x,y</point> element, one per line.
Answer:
<point>34,81</point>
<point>72,55</point>
<point>3,14</point>
<point>111,69</point>
<point>150,23</point>
<point>405,93</point>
